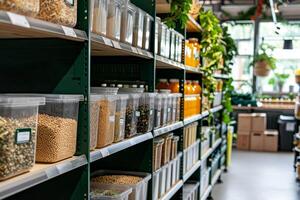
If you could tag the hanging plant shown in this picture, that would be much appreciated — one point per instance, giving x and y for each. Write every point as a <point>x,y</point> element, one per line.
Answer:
<point>179,12</point>
<point>263,62</point>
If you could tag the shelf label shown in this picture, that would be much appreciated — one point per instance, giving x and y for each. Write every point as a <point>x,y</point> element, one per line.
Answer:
<point>107,41</point>
<point>116,44</point>
<point>18,20</point>
<point>104,152</point>
<point>140,51</point>
<point>132,142</point>
<point>69,31</point>
<point>23,135</point>
<point>149,54</point>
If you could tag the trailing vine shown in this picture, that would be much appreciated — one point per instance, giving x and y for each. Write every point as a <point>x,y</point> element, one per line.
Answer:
<point>179,12</point>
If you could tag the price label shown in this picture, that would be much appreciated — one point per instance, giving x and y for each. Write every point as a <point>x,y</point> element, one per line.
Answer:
<point>104,152</point>
<point>122,121</point>
<point>23,135</point>
<point>134,50</point>
<point>111,118</point>
<point>116,44</point>
<point>69,31</point>
<point>137,113</point>
<point>18,20</point>
<point>140,51</point>
<point>107,41</point>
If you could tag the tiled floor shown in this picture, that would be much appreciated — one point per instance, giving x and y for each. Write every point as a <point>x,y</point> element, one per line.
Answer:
<point>259,176</point>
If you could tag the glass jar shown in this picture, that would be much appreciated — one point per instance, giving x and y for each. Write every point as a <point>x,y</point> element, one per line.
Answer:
<point>127,23</point>
<point>196,87</point>
<point>162,84</point>
<point>194,44</point>
<point>188,54</point>
<point>174,85</point>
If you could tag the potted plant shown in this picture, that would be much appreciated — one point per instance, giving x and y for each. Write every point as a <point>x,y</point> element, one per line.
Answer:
<point>278,80</point>
<point>263,61</point>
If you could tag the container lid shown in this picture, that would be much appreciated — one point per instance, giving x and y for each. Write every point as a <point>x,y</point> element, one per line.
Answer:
<point>104,90</point>
<point>131,7</point>
<point>159,141</point>
<point>149,94</point>
<point>122,96</point>
<point>13,101</point>
<point>109,97</point>
<point>174,80</point>
<point>165,91</point>
<point>177,94</point>
<point>148,16</point>
<point>54,97</point>
<point>286,118</point>
<point>163,80</point>
<point>175,138</point>
<point>131,90</point>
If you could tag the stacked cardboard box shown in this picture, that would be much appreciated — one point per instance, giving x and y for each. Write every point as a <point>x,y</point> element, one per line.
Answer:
<point>252,133</point>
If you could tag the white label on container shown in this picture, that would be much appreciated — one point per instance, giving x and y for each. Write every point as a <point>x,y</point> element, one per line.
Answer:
<point>104,152</point>
<point>158,114</point>
<point>116,44</point>
<point>169,109</point>
<point>290,127</point>
<point>69,31</point>
<point>134,50</point>
<point>18,20</point>
<point>23,135</point>
<point>107,41</point>
<point>140,51</point>
<point>70,2</point>
<point>137,113</point>
<point>122,121</point>
<point>112,118</point>
<point>151,112</point>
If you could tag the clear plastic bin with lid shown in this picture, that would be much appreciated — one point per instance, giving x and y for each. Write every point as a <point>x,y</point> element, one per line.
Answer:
<point>18,134</point>
<point>29,7</point>
<point>115,8</point>
<point>120,117</point>
<point>127,23</point>
<point>138,27</point>
<point>99,15</point>
<point>146,109</point>
<point>148,21</point>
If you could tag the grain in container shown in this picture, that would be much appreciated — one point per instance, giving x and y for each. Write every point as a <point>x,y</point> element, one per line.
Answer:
<point>106,125</point>
<point>148,21</point>
<point>99,13</point>
<point>167,43</point>
<point>57,127</point>
<point>157,110</point>
<point>115,8</point>
<point>94,119</point>
<point>178,96</point>
<point>157,153</point>
<point>18,132</point>
<point>146,109</point>
<point>29,7</point>
<point>127,22</point>
<point>166,150</point>
<point>174,146</point>
<point>138,27</point>
<point>108,192</point>
<point>120,117</point>
<point>137,181</point>
<point>63,12</point>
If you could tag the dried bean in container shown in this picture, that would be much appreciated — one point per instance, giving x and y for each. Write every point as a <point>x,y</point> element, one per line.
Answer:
<point>15,157</point>
<point>56,138</point>
<point>117,179</point>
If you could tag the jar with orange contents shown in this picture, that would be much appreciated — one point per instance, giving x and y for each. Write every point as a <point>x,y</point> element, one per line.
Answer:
<point>188,87</point>
<point>194,44</point>
<point>196,87</point>
<point>188,54</point>
<point>174,85</point>
<point>162,84</point>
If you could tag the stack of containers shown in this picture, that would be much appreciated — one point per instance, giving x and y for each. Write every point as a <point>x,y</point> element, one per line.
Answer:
<point>18,119</point>
<point>190,190</point>
<point>61,12</point>
<point>204,183</point>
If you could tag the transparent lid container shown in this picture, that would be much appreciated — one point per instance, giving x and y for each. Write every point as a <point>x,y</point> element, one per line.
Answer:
<point>106,125</point>
<point>146,109</point>
<point>131,90</point>
<point>94,119</point>
<point>148,21</point>
<point>115,9</point>
<point>168,42</point>
<point>63,12</point>
<point>164,109</point>
<point>108,192</point>
<point>132,115</point>
<point>18,122</point>
<point>105,90</point>
<point>99,13</point>
<point>157,110</point>
<point>157,153</point>
<point>127,23</point>
<point>57,127</point>
<point>162,28</point>
<point>28,7</point>
<point>157,28</point>
<point>138,28</point>
<point>120,117</point>
<point>176,106</point>
<point>172,44</point>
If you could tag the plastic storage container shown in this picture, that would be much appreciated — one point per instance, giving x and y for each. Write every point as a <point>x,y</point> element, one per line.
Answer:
<point>157,111</point>
<point>139,183</point>
<point>148,21</point>
<point>166,150</point>
<point>120,117</point>
<point>157,37</point>
<point>104,90</point>
<point>114,19</point>
<point>106,126</point>
<point>109,193</point>
<point>172,44</point>
<point>28,7</point>
<point>18,122</point>
<point>146,109</point>
<point>179,45</point>
<point>57,127</point>
<point>174,146</point>
<point>162,28</point>
<point>94,119</point>
<point>167,43</point>
<point>127,23</point>
<point>178,106</point>
<point>63,12</point>
<point>190,190</point>
<point>99,12</point>
<point>157,153</point>
<point>132,115</point>
<point>138,28</point>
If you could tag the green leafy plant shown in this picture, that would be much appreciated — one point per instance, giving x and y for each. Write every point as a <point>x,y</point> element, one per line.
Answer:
<point>264,56</point>
<point>278,80</point>
<point>179,12</point>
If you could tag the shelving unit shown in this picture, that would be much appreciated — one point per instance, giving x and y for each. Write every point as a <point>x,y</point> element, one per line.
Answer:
<point>42,57</point>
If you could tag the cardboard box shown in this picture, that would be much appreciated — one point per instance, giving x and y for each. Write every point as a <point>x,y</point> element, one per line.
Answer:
<point>259,122</point>
<point>271,140</point>
<point>257,141</point>
<point>243,142</point>
<point>244,122</point>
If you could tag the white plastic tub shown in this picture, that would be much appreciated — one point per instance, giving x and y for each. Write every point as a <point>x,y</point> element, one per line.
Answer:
<point>120,117</point>
<point>167,43</point>
<point>169,175</point>
<point>18,122</point>
<point>176,169</point>
<point>162,28</point>
<point>191,156</point>
<point>190,190</point>
<point>139,190</point>
<point>156,183</point>
<point>204,183</point>
<point>162,181</point>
